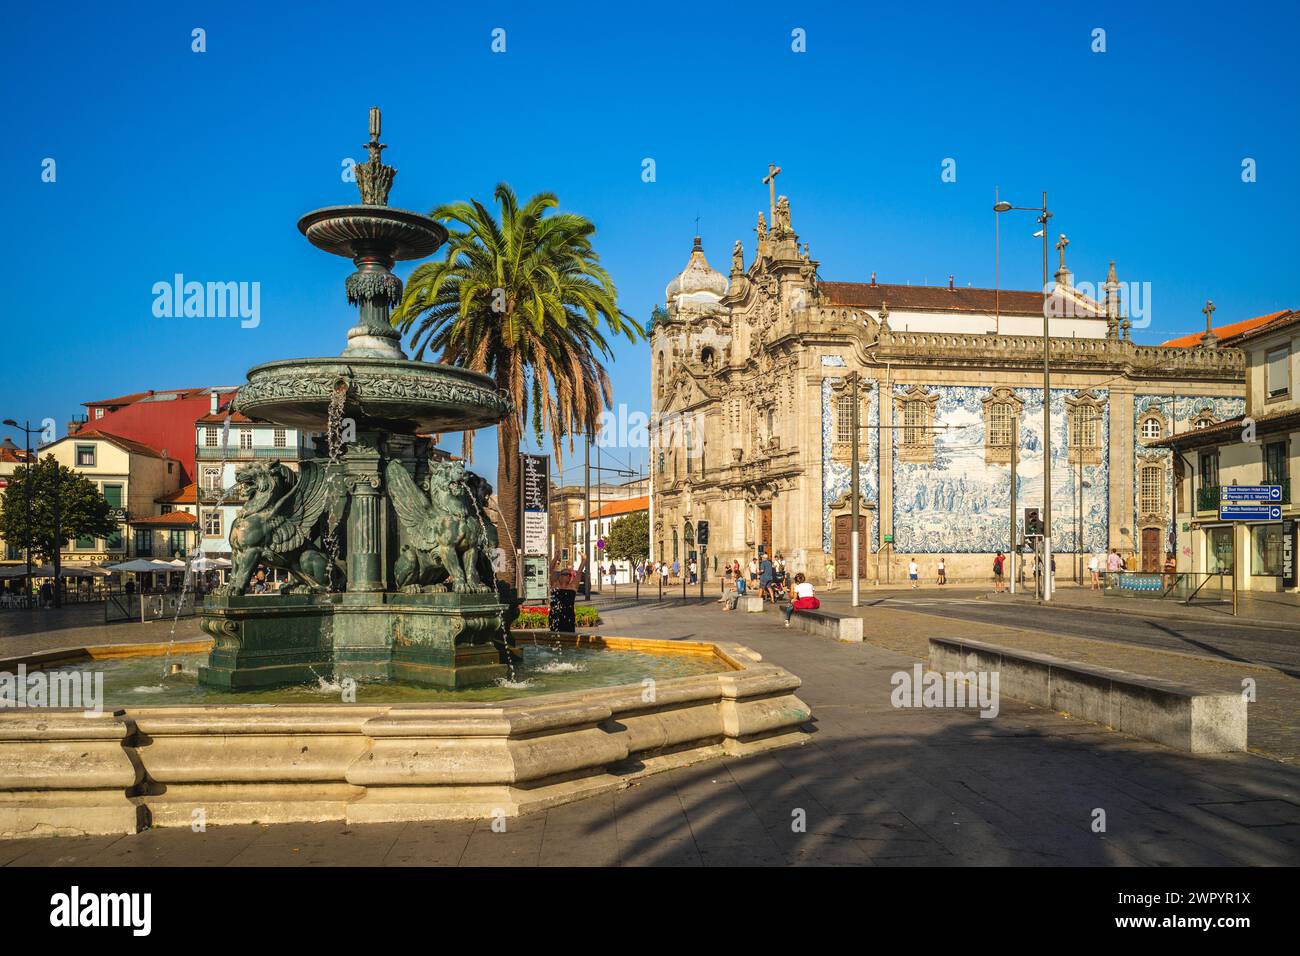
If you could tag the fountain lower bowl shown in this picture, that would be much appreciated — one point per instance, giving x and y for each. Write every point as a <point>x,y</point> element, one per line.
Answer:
<point>394,395</point>
<point>67,772</point>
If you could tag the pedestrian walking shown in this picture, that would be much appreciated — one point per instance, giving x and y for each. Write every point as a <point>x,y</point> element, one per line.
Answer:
<point>830,574</point>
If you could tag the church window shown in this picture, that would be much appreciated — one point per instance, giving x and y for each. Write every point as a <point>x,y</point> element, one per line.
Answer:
<point>1002,423</point>
<point>1084,426</point>
<point>1151,489</point>
<point>1203,420</point>
<point>708,357</point>
<point>914,430</point>
<point>1153,428</point>
<point>661,463</point>
<point>675,544</point>
<point>661,376</point>
<point>844,418</point>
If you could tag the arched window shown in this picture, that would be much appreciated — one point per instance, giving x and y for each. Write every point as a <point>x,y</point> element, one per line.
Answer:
<point>661,376</point>
<point>708,357</point>
<point>1151,489</point>
<point>674,544</point>
<point>1153,429</point>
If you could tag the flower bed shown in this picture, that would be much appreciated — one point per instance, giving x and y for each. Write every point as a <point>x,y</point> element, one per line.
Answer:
<point>535,617</point>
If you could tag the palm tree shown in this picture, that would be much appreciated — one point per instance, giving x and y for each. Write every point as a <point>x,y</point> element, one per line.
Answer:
<point>523,300</point>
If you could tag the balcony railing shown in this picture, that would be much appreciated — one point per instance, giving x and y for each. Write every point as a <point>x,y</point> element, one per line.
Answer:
<point>204,453</point>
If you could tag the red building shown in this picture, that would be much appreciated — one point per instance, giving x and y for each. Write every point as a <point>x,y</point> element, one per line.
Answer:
<point>163,420</point>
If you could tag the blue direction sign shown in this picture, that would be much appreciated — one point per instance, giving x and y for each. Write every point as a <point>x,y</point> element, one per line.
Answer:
<point>1245,493</point>
<point>1258,511</point>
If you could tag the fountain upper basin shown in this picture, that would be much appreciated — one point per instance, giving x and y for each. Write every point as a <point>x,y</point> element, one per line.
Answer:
<point>397,395</point>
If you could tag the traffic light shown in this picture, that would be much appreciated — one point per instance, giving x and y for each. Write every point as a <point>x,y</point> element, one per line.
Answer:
<point>702,533</point>
<point>1033,523</point>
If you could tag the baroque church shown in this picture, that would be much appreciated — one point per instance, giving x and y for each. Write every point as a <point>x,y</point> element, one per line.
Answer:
<point>752,435</point>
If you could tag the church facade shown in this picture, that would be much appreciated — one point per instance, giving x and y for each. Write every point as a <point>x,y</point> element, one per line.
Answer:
<point>753,428</point>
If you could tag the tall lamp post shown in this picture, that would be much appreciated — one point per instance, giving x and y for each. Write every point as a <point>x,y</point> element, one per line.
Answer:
<point>27,495</point>
<point>1044,216</point>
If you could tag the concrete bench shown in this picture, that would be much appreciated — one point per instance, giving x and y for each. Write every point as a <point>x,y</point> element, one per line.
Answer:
<point>750,602</point>
<point>1176,715</point>
<point>842,627</point>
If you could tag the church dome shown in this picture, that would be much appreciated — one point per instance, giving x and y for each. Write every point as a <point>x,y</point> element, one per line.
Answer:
<point>697,280</point>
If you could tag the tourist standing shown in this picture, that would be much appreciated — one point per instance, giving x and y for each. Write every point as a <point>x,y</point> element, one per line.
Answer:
<point>694,570</point>
<point>564,585</point>
<point>943,572</point>
<point>830,573</point>
<point>663,572</point>
<point>999,573</point>
<point>753,570</point>
<point>914,573</point>
<point>765,574</point>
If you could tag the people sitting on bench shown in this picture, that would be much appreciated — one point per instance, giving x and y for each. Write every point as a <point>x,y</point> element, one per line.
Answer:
<point>804,599</point>
<point>738,591</point>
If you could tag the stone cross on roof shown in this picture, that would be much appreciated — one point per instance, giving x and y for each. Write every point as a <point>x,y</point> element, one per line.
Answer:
<point>1209,338</point>
<point>773,171</point>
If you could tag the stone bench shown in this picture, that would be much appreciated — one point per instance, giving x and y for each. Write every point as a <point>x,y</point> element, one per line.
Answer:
<point>1176,715</point>
<point>842,627</point>
<point>751,602</point>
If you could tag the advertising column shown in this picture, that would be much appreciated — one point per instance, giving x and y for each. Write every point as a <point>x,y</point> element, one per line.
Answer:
<point>534,504</point>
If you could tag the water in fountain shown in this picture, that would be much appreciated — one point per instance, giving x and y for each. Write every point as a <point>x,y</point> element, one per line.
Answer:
<point>335,444</point>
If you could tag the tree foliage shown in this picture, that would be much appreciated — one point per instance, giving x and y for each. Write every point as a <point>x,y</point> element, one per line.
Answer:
<point>629,537</point>
<point>83,511</point>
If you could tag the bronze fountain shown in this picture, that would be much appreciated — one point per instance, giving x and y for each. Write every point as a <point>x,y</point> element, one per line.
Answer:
<point>388,544</point>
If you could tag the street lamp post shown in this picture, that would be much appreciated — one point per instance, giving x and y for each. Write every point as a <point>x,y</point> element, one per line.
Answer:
<point>27,498</point>
<point>1044,216</point>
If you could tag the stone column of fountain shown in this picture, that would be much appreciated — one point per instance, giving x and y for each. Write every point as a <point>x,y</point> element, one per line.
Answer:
<point>403,588</point>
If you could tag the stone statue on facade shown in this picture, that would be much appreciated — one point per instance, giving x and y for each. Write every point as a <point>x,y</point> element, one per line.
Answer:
<point>277,526</point>
<point>761,229</point>
<point>737,258</point>
<point>781,219</point>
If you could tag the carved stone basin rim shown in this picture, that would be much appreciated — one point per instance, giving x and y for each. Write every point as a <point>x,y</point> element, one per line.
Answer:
<point>420,394</point>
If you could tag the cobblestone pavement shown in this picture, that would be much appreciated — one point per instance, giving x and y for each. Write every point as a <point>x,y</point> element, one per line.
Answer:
<point>81,625</point>
<point>874,786</point>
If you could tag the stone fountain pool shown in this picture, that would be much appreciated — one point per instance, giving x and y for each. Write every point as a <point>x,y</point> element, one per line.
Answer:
<point>384,684</point>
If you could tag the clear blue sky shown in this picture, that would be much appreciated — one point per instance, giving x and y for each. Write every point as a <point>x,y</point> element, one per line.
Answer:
<point>172,161</point>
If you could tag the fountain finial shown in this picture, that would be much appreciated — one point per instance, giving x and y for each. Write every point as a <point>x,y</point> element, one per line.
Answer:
<point>374,179</point>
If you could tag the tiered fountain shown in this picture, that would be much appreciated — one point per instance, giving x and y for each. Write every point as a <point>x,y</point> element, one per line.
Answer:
<point>389,548</point>
<point>389,551</point>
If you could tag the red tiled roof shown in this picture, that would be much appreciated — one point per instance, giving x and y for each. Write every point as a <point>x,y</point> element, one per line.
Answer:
<point>934,298</point>
<point>12,454</point>
<point>1283,320</point>
<point>180,393</point>
<point>174,519</point>
<point>627,506</point>
<point>1223,331</point>
<point>1229,431</point>
<point>126,444</point>
<point>185,496</point>
<point>236,418</point>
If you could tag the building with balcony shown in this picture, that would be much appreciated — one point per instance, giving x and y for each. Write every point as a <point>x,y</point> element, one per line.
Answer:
<point>223,443</point>
<point>1261,447</point>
